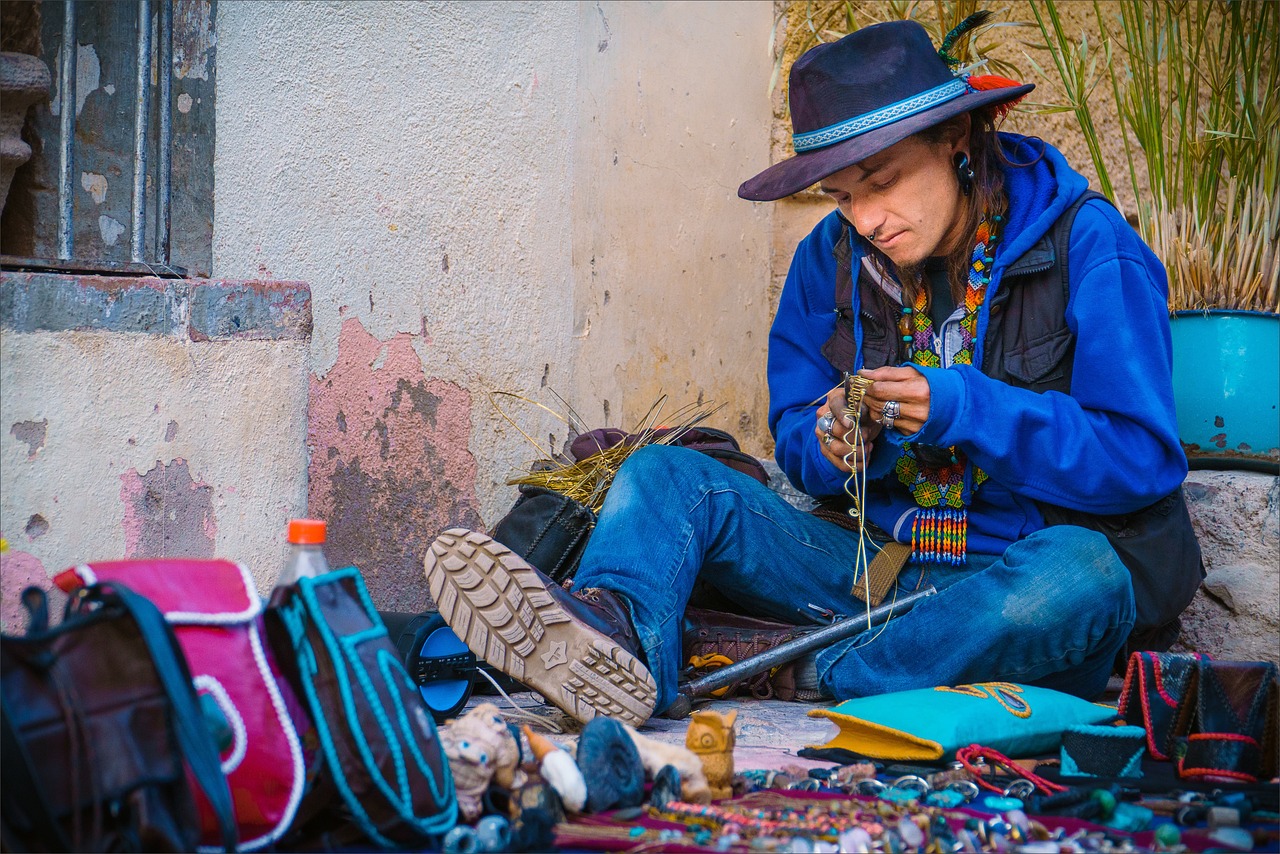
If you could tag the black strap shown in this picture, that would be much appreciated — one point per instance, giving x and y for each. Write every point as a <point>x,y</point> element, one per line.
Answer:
<point>194,739</point>
<point>1062,238</point>
<point>23,796</point>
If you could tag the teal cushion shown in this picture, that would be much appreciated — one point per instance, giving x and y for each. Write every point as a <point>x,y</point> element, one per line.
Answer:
<point>933,723</point>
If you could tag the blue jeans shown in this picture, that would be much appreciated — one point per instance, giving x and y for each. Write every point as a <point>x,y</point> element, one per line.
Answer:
<point>1053,610</point>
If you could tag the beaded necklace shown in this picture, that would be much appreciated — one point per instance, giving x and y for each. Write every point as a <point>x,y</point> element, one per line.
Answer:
<point>939,533</point>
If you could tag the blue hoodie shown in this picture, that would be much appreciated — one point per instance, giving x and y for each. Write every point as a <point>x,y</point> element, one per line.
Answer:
<point>1111,446</point>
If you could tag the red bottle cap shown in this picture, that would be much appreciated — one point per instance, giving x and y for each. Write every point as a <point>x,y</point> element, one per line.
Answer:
<point>306,532</point>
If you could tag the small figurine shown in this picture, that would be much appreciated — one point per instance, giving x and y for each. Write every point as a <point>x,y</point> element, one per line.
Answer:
<point>558,769</point>
<point>480,748</point>
<point>711,737</point>
<point>655,755</point>
<point>610,765</point>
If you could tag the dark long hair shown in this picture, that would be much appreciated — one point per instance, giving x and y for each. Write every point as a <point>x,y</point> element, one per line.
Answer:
<point>986,159</point>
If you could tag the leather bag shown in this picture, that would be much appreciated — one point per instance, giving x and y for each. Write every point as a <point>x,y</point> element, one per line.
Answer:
<point>381,775</point>
<point>550,530</point>
<point>1218,720</point>
<point>216,614</point>
<point>99,720</point>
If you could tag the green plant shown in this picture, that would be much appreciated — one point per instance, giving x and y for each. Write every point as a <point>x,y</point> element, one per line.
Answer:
<point>1197,87</point>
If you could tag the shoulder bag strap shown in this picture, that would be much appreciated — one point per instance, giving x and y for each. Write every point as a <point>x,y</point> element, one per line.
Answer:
<point>193,737</point>
<point>1062,238</point>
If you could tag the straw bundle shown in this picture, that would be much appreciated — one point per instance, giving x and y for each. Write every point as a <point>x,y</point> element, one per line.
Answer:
<point>587,481</point>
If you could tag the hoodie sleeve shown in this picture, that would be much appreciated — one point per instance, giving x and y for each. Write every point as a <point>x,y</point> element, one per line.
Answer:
<point>799,375</point>
<point>1111,446</point>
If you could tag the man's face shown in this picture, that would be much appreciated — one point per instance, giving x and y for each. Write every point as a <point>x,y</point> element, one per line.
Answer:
<point>907,196</point>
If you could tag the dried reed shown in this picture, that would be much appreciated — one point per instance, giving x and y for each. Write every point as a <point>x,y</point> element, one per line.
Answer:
<point>813,22</point>
<point>587,481</point>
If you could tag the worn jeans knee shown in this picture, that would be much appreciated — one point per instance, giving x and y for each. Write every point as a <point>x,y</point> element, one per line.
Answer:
<point>1053,610</point>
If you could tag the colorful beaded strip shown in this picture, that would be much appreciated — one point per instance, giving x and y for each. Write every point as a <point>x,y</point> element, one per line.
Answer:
<point>939,533</point>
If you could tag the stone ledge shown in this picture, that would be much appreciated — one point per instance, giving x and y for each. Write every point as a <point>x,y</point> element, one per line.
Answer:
<point>1236,613</point>
<point>196,309</point>
<point>1236,515</point>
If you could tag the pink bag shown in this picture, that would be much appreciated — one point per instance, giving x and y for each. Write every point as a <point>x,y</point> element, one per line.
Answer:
<point>216,613</point>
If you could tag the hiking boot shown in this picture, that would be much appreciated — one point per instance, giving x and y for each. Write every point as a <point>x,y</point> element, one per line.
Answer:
<point>579,650</point>
<point>716,638</point>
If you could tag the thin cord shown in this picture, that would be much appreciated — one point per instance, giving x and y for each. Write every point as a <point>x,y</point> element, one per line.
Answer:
<point>858,477</point>
<point>856,460</point>
<point>521,713</point>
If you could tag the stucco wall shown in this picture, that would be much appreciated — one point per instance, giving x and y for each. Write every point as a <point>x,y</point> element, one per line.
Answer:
<point>493,196</point>
<point>670,266</point>
<point>122,444</point>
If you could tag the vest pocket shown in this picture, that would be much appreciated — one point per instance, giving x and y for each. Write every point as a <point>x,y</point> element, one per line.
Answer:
<point>1040,361</point>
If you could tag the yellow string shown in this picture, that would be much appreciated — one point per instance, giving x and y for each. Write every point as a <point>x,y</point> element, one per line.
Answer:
<point>856,389</point>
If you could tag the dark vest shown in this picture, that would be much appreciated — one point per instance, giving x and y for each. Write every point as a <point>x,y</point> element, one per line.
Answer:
<point>1028,345</point>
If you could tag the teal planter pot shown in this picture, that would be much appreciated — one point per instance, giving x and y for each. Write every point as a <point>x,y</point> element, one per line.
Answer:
<point>1226,386</point>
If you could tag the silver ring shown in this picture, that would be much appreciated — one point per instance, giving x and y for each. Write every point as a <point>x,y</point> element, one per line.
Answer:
<point>826,439</point>
<point>826,422</point>
<point>913,782</point>
<point>870,786</point>
<point>1020,789</point>
<point>887,421</point>
<point>891,409</point>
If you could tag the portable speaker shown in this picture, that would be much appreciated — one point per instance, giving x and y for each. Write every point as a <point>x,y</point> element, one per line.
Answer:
<point>443,667</point>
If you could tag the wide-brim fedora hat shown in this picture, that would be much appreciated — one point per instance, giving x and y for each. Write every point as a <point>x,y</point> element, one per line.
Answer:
<point>855,97</point>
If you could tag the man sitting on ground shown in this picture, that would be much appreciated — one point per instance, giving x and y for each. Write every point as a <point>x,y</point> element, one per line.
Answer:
<point>1020,401</point>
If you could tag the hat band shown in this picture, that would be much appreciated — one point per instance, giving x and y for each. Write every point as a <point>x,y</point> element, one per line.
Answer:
<point>850,128</point>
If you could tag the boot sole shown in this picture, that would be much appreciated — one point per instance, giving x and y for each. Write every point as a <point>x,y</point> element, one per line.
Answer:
<point>501,609</point>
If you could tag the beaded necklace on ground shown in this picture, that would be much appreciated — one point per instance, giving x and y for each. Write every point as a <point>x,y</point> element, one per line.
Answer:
<point>939,533</point>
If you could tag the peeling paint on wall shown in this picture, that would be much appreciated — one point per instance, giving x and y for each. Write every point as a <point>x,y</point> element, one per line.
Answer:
<point>111,229</point>
<point>37,526</point>
<point>32,434</point>
<point>166,513</point>
<point>193,38</point>
<point>95,185</point>
<point>390,465</point>
<point>18,571</point>
<point>88,76</point>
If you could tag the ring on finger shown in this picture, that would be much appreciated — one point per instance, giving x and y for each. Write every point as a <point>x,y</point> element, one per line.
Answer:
<point>826,422</point>
<point>887,421</point>
<point>891,409</point>
<point>826,439</point>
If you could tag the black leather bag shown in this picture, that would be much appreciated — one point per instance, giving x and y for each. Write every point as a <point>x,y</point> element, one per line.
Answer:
<point>100,726</point>
<point>547,529</point>
<point>550,530</point>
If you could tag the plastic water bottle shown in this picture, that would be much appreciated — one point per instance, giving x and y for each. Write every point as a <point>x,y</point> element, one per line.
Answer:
<point>306,552</point>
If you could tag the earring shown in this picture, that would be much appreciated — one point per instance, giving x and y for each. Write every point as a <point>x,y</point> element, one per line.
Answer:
<point>964,172</point>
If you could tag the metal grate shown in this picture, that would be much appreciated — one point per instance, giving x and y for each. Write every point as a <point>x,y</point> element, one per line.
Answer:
<point>112,32</point>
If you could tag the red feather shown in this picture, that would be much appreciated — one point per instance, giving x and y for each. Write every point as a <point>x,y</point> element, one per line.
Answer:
<point>986,82</point>
<point>991,81</point>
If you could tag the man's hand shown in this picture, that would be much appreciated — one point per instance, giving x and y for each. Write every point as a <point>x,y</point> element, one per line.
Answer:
<point>838,444</point>
<point>908,387</point>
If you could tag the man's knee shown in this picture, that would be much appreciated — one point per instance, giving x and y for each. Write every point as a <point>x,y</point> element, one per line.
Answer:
<point>1083,560</point>
<point>665,463</point>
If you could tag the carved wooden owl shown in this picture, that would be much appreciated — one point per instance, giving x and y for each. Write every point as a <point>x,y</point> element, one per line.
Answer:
<point>711,737</point>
